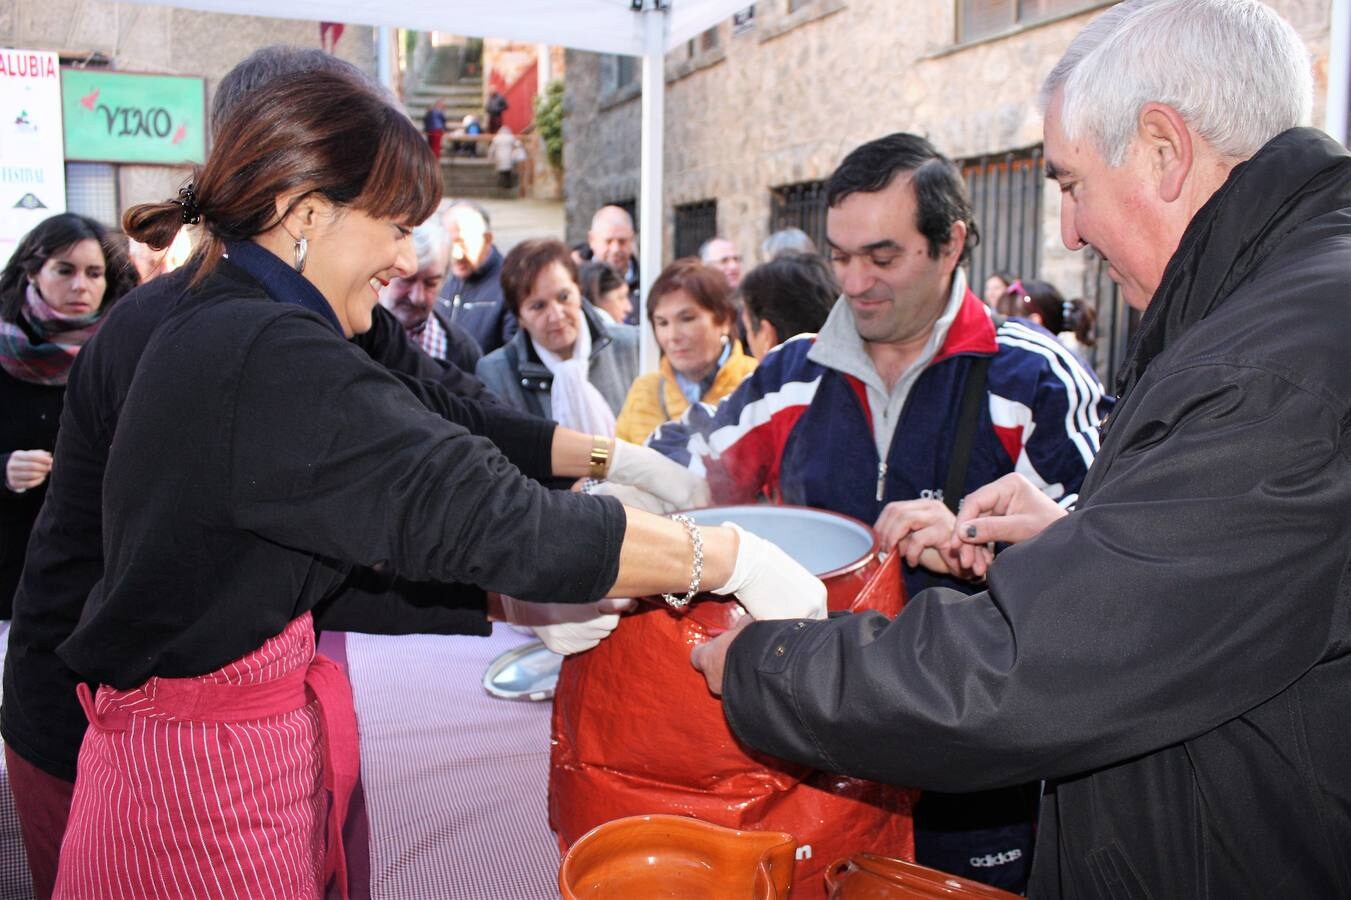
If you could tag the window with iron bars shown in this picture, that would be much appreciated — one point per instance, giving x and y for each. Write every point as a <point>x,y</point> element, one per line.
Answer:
<point>801,205</point>
<point>694,224</point>
<point>978,19</point>
<point>1006,196</point>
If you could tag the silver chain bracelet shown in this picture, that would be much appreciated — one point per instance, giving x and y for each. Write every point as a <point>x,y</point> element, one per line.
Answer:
<point>697,571</point>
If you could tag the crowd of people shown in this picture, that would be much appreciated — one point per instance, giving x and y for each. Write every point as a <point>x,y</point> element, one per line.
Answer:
<point>1121,665</point>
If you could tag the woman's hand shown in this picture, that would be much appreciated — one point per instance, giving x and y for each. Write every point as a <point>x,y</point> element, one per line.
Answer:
<point>1007,510</point>
<point>27,469</point>
<point>770,584</point>
<point>671,483</point>
<point>567,628</point>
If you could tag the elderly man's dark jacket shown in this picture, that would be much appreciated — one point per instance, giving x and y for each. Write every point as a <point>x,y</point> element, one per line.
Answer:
<point>1173,657</point>
<point>476,305</point>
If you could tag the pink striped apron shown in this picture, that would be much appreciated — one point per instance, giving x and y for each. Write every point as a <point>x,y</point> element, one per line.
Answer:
<point>215,786</point>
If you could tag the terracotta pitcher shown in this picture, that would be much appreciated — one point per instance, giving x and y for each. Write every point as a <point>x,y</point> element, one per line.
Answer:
<point>677,857</point>
<point>866,876</point>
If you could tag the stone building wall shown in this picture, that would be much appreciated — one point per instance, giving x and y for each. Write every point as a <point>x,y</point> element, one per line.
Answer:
<point>162,40</point>
<point>784,100</point>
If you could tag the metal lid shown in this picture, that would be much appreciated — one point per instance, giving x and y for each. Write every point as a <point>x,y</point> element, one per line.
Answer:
<point>527,672</point>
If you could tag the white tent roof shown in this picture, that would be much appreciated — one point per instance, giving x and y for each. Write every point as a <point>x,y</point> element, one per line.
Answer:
<point>642,28</point>
<point>605,26</point>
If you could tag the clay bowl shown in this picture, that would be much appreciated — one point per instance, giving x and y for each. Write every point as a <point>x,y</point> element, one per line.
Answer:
<point>677,857</point>
<point>866,876</point>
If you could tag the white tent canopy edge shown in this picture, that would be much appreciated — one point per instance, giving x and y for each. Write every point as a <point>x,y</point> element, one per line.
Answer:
<point>642,28</point>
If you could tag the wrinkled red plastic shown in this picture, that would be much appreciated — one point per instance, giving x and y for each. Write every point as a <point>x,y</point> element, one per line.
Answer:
<point>636,731</point>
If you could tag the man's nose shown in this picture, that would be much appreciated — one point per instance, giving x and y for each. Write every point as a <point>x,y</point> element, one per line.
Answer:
<point>1069,230</point>
<point>854,281</point>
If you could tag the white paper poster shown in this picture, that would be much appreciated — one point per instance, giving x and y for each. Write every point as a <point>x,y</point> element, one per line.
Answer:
<point>32,153</point>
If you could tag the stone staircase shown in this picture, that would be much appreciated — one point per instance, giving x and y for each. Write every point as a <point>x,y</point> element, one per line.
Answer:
<point>442,79</point>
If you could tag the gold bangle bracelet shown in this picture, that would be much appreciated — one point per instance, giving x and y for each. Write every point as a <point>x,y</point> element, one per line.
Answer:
<point>600,457</point>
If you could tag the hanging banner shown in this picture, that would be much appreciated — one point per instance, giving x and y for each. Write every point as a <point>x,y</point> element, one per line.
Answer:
<point>121,118</point>
<point>32,170</point>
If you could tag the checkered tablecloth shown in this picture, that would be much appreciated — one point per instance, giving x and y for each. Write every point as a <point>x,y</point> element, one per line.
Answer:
<point>455,780</point>
<point>15,883</point>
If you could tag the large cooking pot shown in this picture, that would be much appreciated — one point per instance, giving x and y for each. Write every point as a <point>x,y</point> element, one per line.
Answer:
<point>636,731</point>
<point>676,857</point>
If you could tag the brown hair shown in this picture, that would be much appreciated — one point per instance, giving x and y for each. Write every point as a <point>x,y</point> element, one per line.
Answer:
<point>524,264</point>
<point>55,235</point>
<point>315,132</point>
<point>705,284</point>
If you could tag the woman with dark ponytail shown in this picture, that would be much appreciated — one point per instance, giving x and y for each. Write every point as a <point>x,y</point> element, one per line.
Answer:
<point>60,282</point>
<point>258,457</point>
<point>1071,321</point>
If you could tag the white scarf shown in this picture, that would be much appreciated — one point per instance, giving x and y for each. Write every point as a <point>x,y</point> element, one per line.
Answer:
<point>575,401</point>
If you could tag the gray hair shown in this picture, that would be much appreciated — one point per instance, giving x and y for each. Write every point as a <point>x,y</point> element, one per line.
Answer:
<point>704,248</point>
<point>787,240</point>
<point>461,203</point>
<point>1236,72</point>
<point>429,239</point>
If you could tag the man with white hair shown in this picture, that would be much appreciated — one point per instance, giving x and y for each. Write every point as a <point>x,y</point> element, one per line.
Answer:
<point>1173,657</point>
<point>412,300</point>
<point>722,255</point>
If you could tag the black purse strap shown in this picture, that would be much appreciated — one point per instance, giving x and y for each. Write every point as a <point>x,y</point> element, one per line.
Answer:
<point>967,420</point>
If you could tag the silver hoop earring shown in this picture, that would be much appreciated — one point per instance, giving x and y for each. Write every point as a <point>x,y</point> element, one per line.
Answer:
<point>302,250</point>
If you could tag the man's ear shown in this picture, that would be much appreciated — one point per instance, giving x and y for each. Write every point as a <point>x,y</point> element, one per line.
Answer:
<point>1168,142</point>
<point>952,251</point>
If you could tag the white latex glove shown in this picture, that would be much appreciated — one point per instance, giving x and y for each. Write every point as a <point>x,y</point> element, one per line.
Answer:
<point>635,497</point>
<point>672,483</point>
<point>567,628</point>
<point>770,584</point>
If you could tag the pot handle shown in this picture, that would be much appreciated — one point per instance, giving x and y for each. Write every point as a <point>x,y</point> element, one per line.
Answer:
<point>837,870</point>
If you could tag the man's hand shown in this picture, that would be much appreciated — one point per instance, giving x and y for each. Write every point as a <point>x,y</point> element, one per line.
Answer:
<point>921,531</point>
<point>711,656</point>
<point>1008,510</point>
<point>643,467</point>
<point>27,469</point>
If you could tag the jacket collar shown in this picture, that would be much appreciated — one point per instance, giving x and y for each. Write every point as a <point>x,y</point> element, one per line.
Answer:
<point>1298,175</point>
<point>964,327</point>
<point>281,282</point>
<point>491,268</point>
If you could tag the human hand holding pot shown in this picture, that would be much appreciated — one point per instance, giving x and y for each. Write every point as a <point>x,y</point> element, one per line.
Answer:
<point>642,467</point>
<point>567,628</point>
<point>770,584</point>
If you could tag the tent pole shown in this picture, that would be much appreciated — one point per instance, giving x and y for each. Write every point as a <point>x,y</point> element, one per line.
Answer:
<point>650,206</point>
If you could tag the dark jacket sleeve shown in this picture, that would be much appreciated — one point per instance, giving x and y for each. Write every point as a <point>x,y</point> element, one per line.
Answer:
<point>387,343</point>
<point>329,453</point>
<point>1199,578</point>
<point>375,602</point>
<point>524,439</point>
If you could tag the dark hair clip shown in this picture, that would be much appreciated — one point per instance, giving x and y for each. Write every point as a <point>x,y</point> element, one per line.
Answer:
<point>187,198</point>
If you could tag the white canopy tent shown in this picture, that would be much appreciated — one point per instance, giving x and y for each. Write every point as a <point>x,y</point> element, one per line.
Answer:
<point>641,28</point>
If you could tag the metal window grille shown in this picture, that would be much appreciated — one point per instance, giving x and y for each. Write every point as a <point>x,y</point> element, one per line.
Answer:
<point>743,20</point>
<point>1115,324</point>
<point>694,224</point>
<point>1006,195</point>
<point>91,190</point>
<point>978,19</point>
<point>802,206</point>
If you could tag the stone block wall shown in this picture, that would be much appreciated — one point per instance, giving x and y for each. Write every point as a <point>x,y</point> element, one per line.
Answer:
<point>785,100</point>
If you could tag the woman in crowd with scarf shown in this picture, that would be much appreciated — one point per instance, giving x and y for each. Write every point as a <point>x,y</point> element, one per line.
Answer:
<point>63,277</point>
<point>701,358</point>
<point>564,364</point>
<point>258,457</point>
